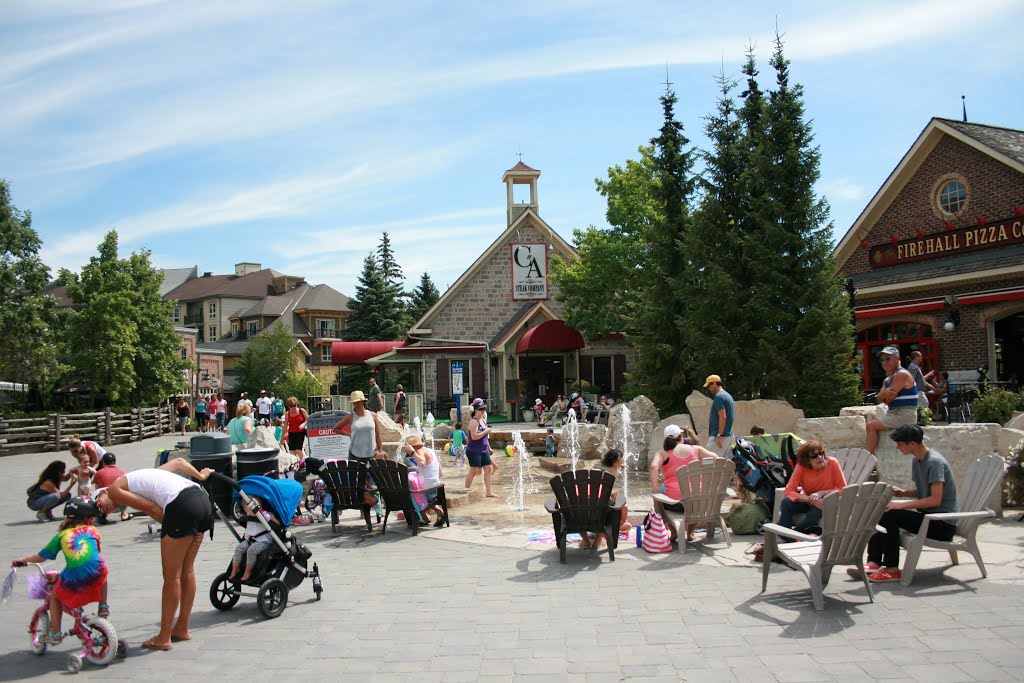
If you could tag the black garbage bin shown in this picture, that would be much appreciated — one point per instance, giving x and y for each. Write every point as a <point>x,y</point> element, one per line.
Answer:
<point>250,461</point>
<point>219,491</point>
<point>213,443</point>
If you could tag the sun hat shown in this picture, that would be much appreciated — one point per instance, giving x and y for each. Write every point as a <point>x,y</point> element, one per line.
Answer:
<point>889,351</point>
<point>672,431</point>
<point>712,379</point>
<point>537,402</point>
<point>357,396</point>
<point>413,440</point>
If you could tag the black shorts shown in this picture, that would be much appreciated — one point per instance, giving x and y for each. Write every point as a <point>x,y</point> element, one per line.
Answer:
<point>187,515</point>
<point>674,507</point>
<point>201,419</point>
<point>478,459</point>
<point>295,440</point>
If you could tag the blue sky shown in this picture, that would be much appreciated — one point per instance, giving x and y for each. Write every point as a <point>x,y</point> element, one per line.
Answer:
<point>293,133</point>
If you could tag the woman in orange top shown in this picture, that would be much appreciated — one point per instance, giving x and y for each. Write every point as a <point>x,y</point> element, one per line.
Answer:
<point>816,475</point>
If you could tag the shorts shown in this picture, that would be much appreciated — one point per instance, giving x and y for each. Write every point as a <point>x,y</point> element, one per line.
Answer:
<point>295,440</point>
<point>431,496</point>
<point>674,507</point>
<point>190,513</point>
<point>201,419</point>
<point>183,421</point>
<point>896,417</point>
<point>478,459</point>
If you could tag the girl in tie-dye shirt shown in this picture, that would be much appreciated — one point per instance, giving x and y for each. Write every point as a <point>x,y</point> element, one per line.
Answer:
<point>84,579</point>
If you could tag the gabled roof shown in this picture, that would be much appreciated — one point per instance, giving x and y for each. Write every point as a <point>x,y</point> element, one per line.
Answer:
<point>1005,145</point>
<point>325,298</point>
<point>252,286</point>
<point>562,248</point>
<point>522,167</point>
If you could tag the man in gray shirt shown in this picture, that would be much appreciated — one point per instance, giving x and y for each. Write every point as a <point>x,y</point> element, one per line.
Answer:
<point>935,492</point>
<point>914,367</point>
<point>376,403</point>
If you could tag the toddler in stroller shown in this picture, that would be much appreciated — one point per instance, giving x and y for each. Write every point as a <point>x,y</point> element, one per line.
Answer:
<point>279,562</point>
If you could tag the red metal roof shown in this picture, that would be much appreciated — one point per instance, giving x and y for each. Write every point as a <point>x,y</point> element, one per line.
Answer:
<point>356,353</point>
<point>553,335</point>
<point>521,167</point>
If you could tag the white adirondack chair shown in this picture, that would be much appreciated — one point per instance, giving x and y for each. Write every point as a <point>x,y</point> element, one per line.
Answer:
<point>983,476</point>
<point>848,521</point>
<point>703,487</point>
<point>857,464</point>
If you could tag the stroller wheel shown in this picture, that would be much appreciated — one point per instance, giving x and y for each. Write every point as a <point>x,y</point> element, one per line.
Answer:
<point>224,593</point>
<point>272,598</point>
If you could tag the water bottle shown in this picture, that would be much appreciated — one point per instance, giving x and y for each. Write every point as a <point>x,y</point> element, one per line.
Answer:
<point>639,535</point>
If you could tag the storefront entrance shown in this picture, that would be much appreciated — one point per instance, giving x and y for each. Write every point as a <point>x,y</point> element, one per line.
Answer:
<point>906,337</point>
<point>1009,335</point>
<point>542,376</point>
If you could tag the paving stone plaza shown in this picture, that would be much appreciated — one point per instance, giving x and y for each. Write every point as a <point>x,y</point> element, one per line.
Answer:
<point>478,601</point>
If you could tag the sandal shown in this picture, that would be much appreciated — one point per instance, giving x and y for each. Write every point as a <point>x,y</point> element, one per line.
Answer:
<point>104,610</point>
<point>53,638</point>
<point>757,551</point>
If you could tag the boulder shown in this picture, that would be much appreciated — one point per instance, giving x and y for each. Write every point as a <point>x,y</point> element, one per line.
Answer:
<point>1016,422</point>
<point>866,412</point>
<point>389,429</point>
<point>638,448</point>
<point>848,431</point>
<point>774,416</point>
<point>443,431</point>
<point>961,444</point>
<point>590,439</point>
<point>640,410</point>
<point>1008,439</point>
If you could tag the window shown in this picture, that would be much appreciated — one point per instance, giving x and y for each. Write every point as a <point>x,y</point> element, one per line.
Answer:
<point>325,353</point>
<point>252,327</point>
<point>213,310</point>
<point>176,314</point>
<point>952,197</point>
<point>602,374</point>
<point>234,329</point>
<point>326,327</point>
<point>212,334</point>
<point>184,353</point>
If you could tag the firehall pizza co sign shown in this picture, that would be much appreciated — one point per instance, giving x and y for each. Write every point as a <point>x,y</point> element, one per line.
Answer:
<point>996,234</point>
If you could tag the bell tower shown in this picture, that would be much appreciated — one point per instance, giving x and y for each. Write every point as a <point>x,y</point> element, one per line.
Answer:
<point>521,174</point>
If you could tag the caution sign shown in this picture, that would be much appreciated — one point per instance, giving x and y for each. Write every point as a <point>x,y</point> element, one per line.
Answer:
<point>327,444</point>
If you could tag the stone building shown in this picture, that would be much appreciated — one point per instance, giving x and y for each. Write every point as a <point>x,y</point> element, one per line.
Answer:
<point>936,258</point>
<point>499,327</point>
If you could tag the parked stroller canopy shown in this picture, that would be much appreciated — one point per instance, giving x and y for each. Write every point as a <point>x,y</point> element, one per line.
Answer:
<point>282,495</point>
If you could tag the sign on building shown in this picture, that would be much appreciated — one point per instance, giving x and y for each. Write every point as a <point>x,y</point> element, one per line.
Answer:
<point>529,271</point>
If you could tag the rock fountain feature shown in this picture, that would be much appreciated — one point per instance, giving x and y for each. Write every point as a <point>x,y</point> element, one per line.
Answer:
<point>572,431</point>
<point>630,456</point>
<point>522,475</point>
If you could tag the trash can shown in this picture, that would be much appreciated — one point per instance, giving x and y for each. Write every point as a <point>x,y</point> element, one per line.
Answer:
<point>255,461</point>
<point>324,442</point>
<point>214,451</point>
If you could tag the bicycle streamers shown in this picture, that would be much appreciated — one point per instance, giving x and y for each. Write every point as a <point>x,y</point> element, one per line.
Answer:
<point>5,596</point>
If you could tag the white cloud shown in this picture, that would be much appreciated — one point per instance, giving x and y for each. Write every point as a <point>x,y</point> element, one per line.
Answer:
<point>844,189</point>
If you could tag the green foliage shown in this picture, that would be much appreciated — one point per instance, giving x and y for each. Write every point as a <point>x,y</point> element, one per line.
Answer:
<point>119,338</point>
<point>26,312</point>
<point>423,297</point>
<point>378,313</point>
<point>1013,482</point>
<point>267,360</point>
<point>300,385</point>
<point>997,405</point>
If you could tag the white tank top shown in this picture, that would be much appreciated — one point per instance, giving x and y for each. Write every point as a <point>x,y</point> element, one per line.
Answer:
<point>364,436</point>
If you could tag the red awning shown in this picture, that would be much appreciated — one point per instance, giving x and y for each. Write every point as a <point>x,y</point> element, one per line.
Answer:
<point>898,309</point>
<point>553,335</point>
<point>356,353</point>
<point>991,297</point>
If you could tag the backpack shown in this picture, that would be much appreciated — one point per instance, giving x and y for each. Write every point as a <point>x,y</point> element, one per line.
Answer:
<point>656,538</point>
<point>744,519</point>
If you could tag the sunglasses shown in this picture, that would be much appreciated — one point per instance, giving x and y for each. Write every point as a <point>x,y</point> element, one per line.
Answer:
<point>817,454</point>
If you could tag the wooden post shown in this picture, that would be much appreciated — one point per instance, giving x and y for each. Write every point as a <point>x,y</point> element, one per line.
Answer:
<point>56,431</point>
<point>107,425</point>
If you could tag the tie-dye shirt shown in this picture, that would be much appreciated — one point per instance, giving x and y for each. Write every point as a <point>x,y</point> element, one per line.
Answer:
<point>84,570</point>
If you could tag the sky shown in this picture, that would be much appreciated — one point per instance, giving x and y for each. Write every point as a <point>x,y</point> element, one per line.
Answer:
<point>293,134</point>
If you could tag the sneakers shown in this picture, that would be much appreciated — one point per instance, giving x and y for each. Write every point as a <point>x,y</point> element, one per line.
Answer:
<point>869,569</point>
<point>885,575</point>
<point>42,517</point>
<point>300,520</point>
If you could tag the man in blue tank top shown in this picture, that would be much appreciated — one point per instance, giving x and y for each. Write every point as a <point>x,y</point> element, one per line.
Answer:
<point>898,393</point>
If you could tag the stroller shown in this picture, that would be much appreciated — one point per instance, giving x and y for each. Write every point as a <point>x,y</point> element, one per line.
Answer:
<point>764,463</point>
<point>279,569</point>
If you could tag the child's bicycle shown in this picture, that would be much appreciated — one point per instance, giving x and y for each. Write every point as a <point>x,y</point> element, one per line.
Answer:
<point>99,639</point>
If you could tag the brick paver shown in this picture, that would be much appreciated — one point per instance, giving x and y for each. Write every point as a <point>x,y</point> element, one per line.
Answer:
<point>449,605</point>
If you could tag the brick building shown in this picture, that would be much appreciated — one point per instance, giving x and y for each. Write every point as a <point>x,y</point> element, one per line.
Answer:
<point>936,258</point>
<point>501,325</point>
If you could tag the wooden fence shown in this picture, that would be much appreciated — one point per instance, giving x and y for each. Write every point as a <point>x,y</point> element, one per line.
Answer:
<point>51,433</point>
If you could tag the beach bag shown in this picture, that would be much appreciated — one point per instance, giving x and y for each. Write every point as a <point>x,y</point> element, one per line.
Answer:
<point>743,519</point>
<point>656,538</point>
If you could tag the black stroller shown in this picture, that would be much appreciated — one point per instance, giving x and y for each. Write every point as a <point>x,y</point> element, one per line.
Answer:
<point>278,569</point>
<point>764,463</point>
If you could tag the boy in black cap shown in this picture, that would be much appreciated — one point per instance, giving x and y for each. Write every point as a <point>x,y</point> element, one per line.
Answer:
<point>935,492</point>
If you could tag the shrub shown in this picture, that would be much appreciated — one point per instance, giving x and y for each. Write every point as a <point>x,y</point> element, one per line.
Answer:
<point>1013,482</point>
<point>997,406</point>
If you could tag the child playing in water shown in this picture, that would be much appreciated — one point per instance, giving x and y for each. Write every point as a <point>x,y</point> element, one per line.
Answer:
<point>458,446</point>
<point>611,462</point>
<point>84,579</point>
<point>83,475</point>
<point>549,444</point>
<point>256,540</point>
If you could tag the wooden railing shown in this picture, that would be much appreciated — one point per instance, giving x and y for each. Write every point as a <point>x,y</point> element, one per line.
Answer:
<point>51,433</point>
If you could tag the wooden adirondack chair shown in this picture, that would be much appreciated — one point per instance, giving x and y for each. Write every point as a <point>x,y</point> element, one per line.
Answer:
<point>346,482</point>
<point>703,487</point>
<point>857,464</point>
<point>392,480</point>
<point>580,504</point>
<point>848,520</point>
<point>983,476</point>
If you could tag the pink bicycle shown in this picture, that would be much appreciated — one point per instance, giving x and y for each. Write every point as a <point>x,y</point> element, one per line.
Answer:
<point>99,639</point>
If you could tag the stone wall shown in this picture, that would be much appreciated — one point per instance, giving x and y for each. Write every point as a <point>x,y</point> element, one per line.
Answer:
<point>833,432</point>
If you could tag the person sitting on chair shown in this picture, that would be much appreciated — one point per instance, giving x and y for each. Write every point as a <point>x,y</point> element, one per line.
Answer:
<point>815,476</point>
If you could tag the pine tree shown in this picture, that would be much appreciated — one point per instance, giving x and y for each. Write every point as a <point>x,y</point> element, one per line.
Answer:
<point>26,312</point>
<point>375,314</point>
<point>423,297</point>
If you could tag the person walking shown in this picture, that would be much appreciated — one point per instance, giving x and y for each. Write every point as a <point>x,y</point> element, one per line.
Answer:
<point>296,420</point>
<point>376,402</point>
<point>264,407</point>
<point>182,411</point>
<point>720,420</point>
<point>478,451</point>
<point>400,401</point>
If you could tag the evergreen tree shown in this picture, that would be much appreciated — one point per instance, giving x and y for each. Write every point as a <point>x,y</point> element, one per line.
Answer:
<point>376,315</point>
<point>423,297</point>
<point>26,312</point>
<point>394,282</point>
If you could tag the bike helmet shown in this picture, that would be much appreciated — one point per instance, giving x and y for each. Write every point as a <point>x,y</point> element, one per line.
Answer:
<point>80,507</point>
